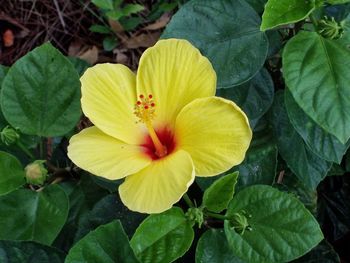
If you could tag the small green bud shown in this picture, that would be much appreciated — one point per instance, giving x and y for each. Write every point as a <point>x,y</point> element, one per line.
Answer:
<point>239,222</point>
<point>9,135</point>
<point>331,29</point>
<point>36,173</point>
<point>195,215</point>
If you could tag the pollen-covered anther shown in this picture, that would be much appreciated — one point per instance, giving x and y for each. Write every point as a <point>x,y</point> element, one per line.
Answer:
<point>144,108</point>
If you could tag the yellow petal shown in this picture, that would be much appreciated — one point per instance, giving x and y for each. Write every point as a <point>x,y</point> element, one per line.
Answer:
<point>215,132</point>
<point>160,185</point>
<point>108,100</point>
<point>105,156</point>
<point>175,73</point>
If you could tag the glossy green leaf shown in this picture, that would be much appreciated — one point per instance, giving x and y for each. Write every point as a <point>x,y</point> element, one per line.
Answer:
<point>276,41</point>
<point>34,216</point>
<point>282,229</point>
<point>337,2</point>
<point>100,29</point>
<point>306,165</point>
<point>281,12</point>
<point>163,237</point>
<point>339,12</point>
<point>258,5</point>
<point>80,65</point>
<point>130,9</point>
<point>41,93</point>
<point>28,252</point>
<point>220,193</point>
<point>237,52</point>
<point>322,143</point>
<point>109,43</point>
<point>254,97</point>
<point>212,247</point>
<point>106,210</point>
<point>104,4</point>
<point>317,72</point>
<point>3,71</point>
<point>83,196</point>
<point>108,244</point>
<point>289,182</point>
<point>259,165</point>
<point>130,23</point>
<point>11,173</point>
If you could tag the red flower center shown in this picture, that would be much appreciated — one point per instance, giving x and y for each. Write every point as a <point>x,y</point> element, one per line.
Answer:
<point>166,137</point>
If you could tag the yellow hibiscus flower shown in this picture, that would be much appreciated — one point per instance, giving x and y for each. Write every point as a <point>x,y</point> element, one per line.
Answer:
<point>160,128</point>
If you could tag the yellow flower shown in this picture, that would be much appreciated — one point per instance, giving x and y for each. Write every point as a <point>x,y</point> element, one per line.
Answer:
<point>159,128</point>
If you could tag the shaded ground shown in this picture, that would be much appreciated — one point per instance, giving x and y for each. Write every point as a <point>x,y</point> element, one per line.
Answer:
<point>25,25</point>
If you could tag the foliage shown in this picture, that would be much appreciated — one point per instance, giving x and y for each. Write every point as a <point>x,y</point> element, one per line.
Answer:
<point>127,17</point>
<point>286,64</point>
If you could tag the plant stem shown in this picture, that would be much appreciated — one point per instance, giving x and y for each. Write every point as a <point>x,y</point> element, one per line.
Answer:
<point>313,20</point>
<point>25,150</point>
<point>188,200</point>
<point>218,216</point>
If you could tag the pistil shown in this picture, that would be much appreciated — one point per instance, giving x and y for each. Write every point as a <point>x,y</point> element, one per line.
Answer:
<point>144,110</point>
<point>161,150</point>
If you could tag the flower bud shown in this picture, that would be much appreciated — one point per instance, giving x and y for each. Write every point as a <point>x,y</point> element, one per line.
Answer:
<point>195,215</point>
<point>9,135</point>
<point>239,222</point>
<point>36,173</point>
<point>331,29</point>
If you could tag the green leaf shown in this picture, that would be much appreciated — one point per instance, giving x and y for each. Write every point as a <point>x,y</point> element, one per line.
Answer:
<point>282,229</point>
<point>104,4</point>
<point>276,42</point>
<point>100,29</point>
<point>109,43</point>
<point>220,193</point>
<point>317,72</point>
<point>106,210</point>
<point>130,23</point>
<point>130,9</point>
<point>212,247</point>
<point>322,143</point>
<point>33,216</point>
<point>258,5</point>
<point>41,93</point>
<point>115,14</point>
<point>337,2</point>
<point>83,196</point>
<point>11,173</point>
<point>29,252</point>
<point>80,65</point>
<point>108,243</point>
<point>307,166</point>
<point>3,72</point>
<point>110,185</point>
<point>254,97</point>
<point>162,237</point>
<point>237,52</point>
<point>281,12</point>
<point>289,183</point>
<point>259,165</point>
